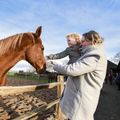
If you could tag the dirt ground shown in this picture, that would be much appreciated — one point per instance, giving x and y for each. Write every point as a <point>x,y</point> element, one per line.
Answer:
<point>109,104</point>
<point>13,106</point>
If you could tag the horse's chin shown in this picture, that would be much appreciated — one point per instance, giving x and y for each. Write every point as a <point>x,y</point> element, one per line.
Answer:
<point>39,71</point>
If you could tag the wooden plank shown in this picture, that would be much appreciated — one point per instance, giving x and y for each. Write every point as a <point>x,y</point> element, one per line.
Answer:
<point>36,111</point>
<point>60,88</point>
<point>9,90</point>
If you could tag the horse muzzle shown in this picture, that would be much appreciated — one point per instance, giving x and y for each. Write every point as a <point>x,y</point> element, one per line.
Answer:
<point>41,70</point>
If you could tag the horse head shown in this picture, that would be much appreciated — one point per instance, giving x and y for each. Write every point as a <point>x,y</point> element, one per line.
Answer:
<point>34,53</point>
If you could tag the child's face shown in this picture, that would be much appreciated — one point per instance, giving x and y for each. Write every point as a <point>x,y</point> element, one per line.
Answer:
<point>71,41</point>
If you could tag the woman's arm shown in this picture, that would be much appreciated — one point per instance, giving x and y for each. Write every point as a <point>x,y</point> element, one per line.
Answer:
<point>80,67</point>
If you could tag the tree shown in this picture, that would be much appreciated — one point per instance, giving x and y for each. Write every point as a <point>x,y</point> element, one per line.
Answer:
<point>116,58</point>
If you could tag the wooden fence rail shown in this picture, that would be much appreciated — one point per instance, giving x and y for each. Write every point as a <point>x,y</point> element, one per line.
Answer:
<point>10,90</point>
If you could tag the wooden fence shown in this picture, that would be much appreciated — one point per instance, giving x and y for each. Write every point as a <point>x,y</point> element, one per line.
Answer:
<point>9,90</point>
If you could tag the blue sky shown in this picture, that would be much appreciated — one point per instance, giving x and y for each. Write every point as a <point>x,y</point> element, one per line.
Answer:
<point>59,18</point>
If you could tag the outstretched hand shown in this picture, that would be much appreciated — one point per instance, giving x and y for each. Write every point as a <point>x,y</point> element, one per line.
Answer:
<point>53,63</point>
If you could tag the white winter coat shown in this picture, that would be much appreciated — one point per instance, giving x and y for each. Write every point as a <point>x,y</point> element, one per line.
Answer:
<point>86,77</point>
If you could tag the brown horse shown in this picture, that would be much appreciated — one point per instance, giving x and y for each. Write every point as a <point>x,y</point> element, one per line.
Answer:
<point>25,46</point>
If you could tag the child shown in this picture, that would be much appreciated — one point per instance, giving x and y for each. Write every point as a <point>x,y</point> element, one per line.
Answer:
<point>73,49</point>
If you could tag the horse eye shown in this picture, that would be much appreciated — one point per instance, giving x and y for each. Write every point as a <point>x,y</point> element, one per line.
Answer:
<point>42,48</point>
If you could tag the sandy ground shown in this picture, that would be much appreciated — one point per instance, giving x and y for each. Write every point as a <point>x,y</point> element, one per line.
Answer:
<point>108,107</point>
<point>13,106</point>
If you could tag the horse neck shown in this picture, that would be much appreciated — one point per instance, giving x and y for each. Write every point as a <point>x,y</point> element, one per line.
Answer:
<point>8,61</point>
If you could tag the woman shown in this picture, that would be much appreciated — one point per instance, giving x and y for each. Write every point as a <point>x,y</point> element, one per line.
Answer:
<point>86,77</point>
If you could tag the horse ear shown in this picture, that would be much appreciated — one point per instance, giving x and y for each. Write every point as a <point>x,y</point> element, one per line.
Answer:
<point>38,31</point>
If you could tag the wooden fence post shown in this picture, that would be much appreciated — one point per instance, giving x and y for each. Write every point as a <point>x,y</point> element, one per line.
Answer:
<point>60,88</point>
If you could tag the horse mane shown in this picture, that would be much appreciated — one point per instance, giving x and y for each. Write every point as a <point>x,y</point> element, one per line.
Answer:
<point>12,42</point>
